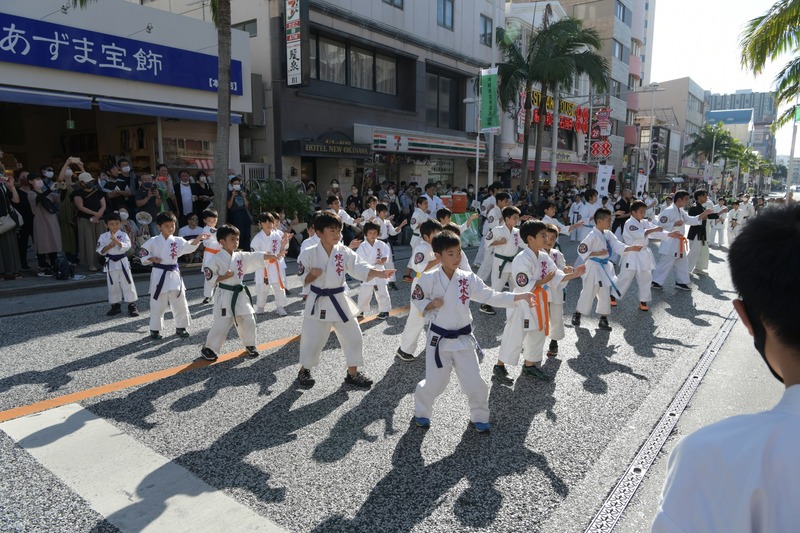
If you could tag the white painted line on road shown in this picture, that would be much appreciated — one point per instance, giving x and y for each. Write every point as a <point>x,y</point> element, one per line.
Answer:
<point>133,487</point>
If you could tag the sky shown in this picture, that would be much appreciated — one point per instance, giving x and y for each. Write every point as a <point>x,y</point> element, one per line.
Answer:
<point>700,39</point>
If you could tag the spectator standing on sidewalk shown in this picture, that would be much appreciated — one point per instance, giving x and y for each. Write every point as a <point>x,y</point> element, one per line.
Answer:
<point>91,205</point>
<point>148,199</point>
<point>44,204</point>
<point>743,473</point>
<point>24,233</point>
<point>10,264</point>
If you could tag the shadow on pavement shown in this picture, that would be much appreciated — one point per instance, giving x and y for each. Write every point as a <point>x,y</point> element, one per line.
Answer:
<point>412,490</point>
<point>593,360</point>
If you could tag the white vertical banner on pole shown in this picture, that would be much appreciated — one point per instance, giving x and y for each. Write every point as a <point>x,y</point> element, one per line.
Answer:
<point>641,184</point>
<point>603,178</point>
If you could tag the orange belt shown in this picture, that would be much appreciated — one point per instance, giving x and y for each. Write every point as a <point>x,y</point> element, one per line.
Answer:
<point>278,267</point>
<point>540,302</point>
<point>211,251</point>
<point>683,247</point>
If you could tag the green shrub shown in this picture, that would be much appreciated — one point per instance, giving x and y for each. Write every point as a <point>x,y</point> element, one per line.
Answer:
<point>269,195</point>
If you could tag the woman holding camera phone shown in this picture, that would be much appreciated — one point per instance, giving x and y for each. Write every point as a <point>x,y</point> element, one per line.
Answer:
<point>148,199</point>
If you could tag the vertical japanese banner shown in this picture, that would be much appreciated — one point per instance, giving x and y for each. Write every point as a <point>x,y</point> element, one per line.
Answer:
<point>294,55</point>
<point>603,178</point>
<point>641,183</point>
<point>490,119</point>
<point>708,172</point>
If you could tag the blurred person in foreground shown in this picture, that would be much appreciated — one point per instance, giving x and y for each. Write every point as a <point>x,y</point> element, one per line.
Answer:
<point>743,473</point>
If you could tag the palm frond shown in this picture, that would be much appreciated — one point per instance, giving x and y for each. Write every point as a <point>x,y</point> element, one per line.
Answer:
<point>770,35</point>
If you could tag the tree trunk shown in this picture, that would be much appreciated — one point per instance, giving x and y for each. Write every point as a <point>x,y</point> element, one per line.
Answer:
<point>526,137</point>
<point>537,161</point>
<point>222,147</point>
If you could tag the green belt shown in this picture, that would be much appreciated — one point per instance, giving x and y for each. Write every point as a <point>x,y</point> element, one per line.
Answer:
<point>236,289</point>
<point>506,259</point>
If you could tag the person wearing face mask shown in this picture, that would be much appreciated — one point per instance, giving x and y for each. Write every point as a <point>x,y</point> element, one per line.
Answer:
<point>336,191</point>
<point>239,209</point>
<point>354,198</point>
<point>67,214</point>
<point>127,225</point>
<point>205,195</point>
<point>741,474</point>
<point>91,205</point>
<point>148,199</point>
<point>43,203</point>
<point>115,187</point>
<point>185,196</point>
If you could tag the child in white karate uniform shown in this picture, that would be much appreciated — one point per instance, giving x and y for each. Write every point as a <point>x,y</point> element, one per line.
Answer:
<point>114,245</point>
<point>639,265</point>
<point>308,243</point>
<point>599,279</point>
<point>323,267</point>
<point>549,211</point>
<point>505,243</point>
<point>528,326</point>
<point>273,242</point>
<point>166,284</point>
<point>210,248</point>
<point>444,295</point>
<point>233,305</point>
<point>493,219</point>
<point>486,207</point>
<point>422,260</point>
<point>374,252</point>
<point>388,230</point>
<point>556,293</point>
<point>419,217</point>
<point>444,217</point>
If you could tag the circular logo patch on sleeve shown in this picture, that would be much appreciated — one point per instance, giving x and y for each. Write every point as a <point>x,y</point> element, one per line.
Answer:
<point>634,228</point>
<point>522,279</point>
<point>418,258</point>
<point>663,219</point>
<point>582,249</point>
<point>143,252</point>
<point>417,294</point>
<point>489,236</point>
<point>491,219</point>
<point>413,221</point>
<point>300,269</point>
<point>208,273</point>
<point>212,231</point>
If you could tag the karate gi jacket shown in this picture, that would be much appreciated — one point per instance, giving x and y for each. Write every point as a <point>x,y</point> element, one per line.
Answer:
<point>372,254</point>
<point>119,264</point>
<point>417,218</point>
<point>270,244</point>
<point>387,229</point>
<point>168,250</point>
<point>456,293</point>
<point>633,234</point>
<point>555,292</point>
<point>488,203</point>
<point>528,268</point>
<point>240,263</point>
<point>423,254</point>
<point>587,212</point>
<point>562,229</point>
<point>342,261</point>
<point>667,219</point>
<point>508,250</point>
<point>369,215</point>
<point>493,218</point>
<point>597,272</point>
<point>211,245</point>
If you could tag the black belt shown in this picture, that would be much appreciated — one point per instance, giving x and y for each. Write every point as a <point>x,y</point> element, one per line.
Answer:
<point>451,334</point>
<point>117,257</point>
<point>328,293</point>
<point>164,269</point>
<point>236,289</point>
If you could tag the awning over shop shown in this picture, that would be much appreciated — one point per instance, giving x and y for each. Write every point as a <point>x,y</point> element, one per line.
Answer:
<point>694,176</point>
<point>561,167</point>
<point>161,110</point>
<point>48,98</point>
<point>676,179</point>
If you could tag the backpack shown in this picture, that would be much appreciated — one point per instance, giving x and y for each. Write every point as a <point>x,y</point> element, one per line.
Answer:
<point>64,269</point>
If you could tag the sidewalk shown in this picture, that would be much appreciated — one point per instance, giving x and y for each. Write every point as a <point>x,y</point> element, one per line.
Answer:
<point>738,382</point>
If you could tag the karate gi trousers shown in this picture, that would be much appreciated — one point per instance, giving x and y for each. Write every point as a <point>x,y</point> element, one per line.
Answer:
<point>175,299</point>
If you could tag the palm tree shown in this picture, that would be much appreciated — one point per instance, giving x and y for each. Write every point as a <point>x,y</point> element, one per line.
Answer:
<point>555,55</point>
<point>769,36</point>
<point>221,15</point>
<point>713,141</point>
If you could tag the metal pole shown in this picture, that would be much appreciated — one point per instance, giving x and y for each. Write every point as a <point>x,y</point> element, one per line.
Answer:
<point>490,134</point>
<point>713,149</point>
<point>554,141</point>
<point>650,141</point>
<point>789,174</point>
<point>160,137</point>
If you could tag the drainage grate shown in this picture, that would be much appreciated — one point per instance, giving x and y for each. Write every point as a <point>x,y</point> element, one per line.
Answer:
<point>620,497</point>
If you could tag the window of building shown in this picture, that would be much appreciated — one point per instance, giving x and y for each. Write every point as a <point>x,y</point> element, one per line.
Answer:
<point>348,64</point>
<point>633,82</point>
<point>249,26</point>
<point>332,61</point>
<point>615,88</point>
<point>362,68</point>
<point>617,49</point>
<point>395,3</point>
<point>630,117</point>
<point>442,100</point>
<point>444,13</point>
<point>486,30</point>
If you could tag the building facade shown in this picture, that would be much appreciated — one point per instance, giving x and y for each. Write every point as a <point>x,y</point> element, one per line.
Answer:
<point>764,114</point>
<point>72,85</point>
